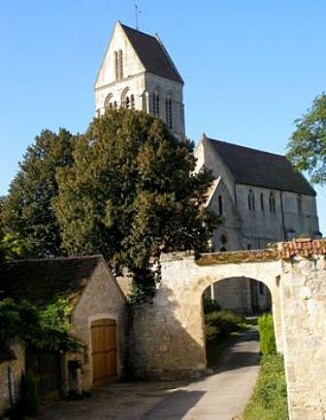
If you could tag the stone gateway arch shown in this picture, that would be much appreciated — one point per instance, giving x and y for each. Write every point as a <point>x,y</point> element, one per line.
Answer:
<point>172,343</point>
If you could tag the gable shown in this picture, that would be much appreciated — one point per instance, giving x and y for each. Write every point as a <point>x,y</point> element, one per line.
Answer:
<point>262,169</point>
<point>141,52</point>
<point>131,62</point>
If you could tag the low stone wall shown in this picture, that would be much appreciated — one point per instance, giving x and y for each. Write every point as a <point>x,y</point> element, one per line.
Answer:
<point>10,377</point>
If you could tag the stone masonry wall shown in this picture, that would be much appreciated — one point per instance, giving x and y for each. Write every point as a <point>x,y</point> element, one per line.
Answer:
<point>10,376</point>
<point>304,311</point>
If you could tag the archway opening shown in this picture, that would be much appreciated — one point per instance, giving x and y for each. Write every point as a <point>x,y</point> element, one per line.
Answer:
<point>231,307</point>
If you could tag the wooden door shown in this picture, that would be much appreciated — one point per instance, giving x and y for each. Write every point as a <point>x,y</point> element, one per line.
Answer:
<point>104,350</point>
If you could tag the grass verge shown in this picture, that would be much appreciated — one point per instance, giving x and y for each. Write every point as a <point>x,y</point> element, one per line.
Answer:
<point>269,399</point>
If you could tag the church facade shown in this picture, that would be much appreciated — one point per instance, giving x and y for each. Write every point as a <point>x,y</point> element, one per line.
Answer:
<point>258,195</point>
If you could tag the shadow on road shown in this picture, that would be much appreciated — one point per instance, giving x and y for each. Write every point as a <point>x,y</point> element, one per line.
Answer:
<point>180,402</point>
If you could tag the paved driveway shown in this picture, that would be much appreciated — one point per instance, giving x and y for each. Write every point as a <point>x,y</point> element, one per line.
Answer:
<point>220,396</point>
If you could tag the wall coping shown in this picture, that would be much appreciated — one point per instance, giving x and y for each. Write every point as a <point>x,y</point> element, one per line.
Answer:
<point>303,247</point>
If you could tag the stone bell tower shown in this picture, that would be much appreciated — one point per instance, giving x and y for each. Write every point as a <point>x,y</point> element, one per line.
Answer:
<point>138,73</point>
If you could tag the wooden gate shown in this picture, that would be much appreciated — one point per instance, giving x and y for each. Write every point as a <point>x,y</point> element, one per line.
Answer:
<point>104,350</point>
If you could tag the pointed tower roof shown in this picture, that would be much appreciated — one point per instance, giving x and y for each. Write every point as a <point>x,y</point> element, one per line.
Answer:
<point>152,54</point>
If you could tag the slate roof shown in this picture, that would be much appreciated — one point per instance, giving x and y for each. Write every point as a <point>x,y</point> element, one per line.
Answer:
<point>152,54</point>
<point>262,169</point>
<point>40,280</point>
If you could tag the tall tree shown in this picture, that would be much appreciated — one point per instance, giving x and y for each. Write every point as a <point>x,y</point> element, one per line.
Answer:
<point>27,210</point>
<point>132,192</point>
<point>307,145</point>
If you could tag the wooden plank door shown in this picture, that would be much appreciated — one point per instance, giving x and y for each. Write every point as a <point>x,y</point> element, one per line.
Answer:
<point>104,350</point>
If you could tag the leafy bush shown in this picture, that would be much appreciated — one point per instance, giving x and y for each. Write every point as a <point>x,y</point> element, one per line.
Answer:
<point>266,334</point>
<point>210,305</point>
<point>221,324</point>
<point>212,333</point>
<point>269,399</point>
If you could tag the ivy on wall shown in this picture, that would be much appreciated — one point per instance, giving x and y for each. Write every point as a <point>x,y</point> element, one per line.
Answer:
<point>45,328</point>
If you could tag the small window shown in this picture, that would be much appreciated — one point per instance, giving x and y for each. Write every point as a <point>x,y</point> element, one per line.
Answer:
<point>271,202</point>
<point>299,204</point>
<point>223,239</point>
<point>251,201</point>
<point>156,104</point>
<point>261,201</point>
<point>220,205</point>
<point>118,59</point>
<point>168,112</point>
<point>132,101</point>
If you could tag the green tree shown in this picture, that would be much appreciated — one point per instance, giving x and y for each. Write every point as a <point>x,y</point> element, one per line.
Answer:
<point>27,212</point>
<point>307,145</point>
<point>131,193</point>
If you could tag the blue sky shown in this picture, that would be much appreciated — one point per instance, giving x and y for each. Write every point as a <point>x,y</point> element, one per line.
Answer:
<point>250,67</point>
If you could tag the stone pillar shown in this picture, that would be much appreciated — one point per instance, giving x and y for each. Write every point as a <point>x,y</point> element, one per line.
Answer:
<point>304,310</point>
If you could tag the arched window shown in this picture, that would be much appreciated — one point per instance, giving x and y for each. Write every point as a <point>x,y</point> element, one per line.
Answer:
<point>109,103</point>
<point>168,112</point>
<point>224,241</point>
<point>156,104</point>
<point>299,204</point>
<point>271,202</point>
<point>220,205</point>
<point>262,201</point>
<point>251,201</point>
<point>132,102</point>
<point>118,58</point>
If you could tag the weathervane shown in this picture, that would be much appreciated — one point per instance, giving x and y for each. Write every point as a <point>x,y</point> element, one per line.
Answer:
<point>137,13</point>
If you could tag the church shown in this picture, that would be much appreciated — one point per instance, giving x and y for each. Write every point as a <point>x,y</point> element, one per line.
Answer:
<point>260,197</point>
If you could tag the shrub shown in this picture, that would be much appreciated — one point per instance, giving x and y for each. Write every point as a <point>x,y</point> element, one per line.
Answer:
<point>269,399</point>
<point>266,334</point>
<point>212,333</point>
<point>211,305</point>
<point>221,323</point>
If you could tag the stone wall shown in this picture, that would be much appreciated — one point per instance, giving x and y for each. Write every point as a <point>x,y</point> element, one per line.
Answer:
<point>10,377</point>
<point>304,310</point>
<point>168,340</point>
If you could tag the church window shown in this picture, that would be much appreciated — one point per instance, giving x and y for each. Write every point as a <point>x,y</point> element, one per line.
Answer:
<point>109,103</point>
<point>299,204</point>
<point>223,240</point>
<point>118,58</point>
<point>261,201</point>
<point>156,104</point>
<point>127,103</point>
<point>220,205</point>
<point>251,201</point>
<point>132,102</point>
<point>168,112</point>
<point>272,203</point>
